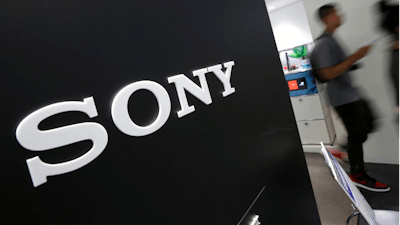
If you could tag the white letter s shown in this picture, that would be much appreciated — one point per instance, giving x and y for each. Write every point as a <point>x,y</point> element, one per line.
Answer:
<point>31,138</point>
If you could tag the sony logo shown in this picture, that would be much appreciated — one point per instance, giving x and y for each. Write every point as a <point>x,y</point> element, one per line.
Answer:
<point>31,138</point>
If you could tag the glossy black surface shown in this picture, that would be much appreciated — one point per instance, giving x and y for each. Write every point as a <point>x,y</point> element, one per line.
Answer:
<point>204,168</point>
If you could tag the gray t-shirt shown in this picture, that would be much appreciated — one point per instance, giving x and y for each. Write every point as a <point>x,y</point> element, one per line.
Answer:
<point>328,52</point>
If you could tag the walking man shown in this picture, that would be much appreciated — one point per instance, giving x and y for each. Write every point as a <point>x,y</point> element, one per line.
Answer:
<point>332,66</point>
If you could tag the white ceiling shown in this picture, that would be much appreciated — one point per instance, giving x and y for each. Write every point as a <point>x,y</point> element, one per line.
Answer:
<point>273,5</point>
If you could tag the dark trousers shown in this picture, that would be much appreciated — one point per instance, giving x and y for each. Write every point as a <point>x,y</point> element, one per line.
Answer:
<point>359,120</point>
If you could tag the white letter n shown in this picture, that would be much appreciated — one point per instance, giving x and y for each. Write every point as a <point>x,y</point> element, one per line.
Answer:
<point>183,83</point>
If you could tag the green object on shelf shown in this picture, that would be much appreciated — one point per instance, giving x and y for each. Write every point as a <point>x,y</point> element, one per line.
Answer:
<point>299,52</point>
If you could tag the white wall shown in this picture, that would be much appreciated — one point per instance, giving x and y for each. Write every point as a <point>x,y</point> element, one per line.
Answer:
<point>277,4</point>
<point>290,26</point>
<point>359,28</point>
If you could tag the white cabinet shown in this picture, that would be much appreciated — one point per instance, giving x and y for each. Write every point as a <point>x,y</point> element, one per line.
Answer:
<point>314,120</point>
<point>307,107</point>
<point>315,131</point>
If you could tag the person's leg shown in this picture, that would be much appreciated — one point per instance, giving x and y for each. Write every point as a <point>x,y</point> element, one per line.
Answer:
<point>357,128</point>
<point>359,122</point>
<point>354,147</point>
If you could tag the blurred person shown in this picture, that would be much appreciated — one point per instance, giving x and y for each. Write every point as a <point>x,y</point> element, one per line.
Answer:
<point>332,66</point>
<point>390,24</point>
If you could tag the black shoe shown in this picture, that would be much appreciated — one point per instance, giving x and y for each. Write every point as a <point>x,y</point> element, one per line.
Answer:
<point>363,180</point>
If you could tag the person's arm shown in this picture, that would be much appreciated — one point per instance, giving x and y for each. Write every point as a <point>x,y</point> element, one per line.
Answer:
<point>331,72</point>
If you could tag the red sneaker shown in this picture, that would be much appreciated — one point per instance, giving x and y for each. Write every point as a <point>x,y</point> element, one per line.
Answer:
<point>339,155</point>
<point>363,180</point>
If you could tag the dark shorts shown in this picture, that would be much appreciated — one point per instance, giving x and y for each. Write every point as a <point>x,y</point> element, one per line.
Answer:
<point>357,117</point>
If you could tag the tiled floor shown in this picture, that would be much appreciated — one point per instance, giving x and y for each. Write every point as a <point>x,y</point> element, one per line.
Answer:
<point>333,204</point>
<point>388,174</point>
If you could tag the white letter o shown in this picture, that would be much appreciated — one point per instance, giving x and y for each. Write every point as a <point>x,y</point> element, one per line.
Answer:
<point>119,109</point>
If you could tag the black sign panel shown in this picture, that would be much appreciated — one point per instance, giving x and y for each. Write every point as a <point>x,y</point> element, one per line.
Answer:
<point>237,157</point>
